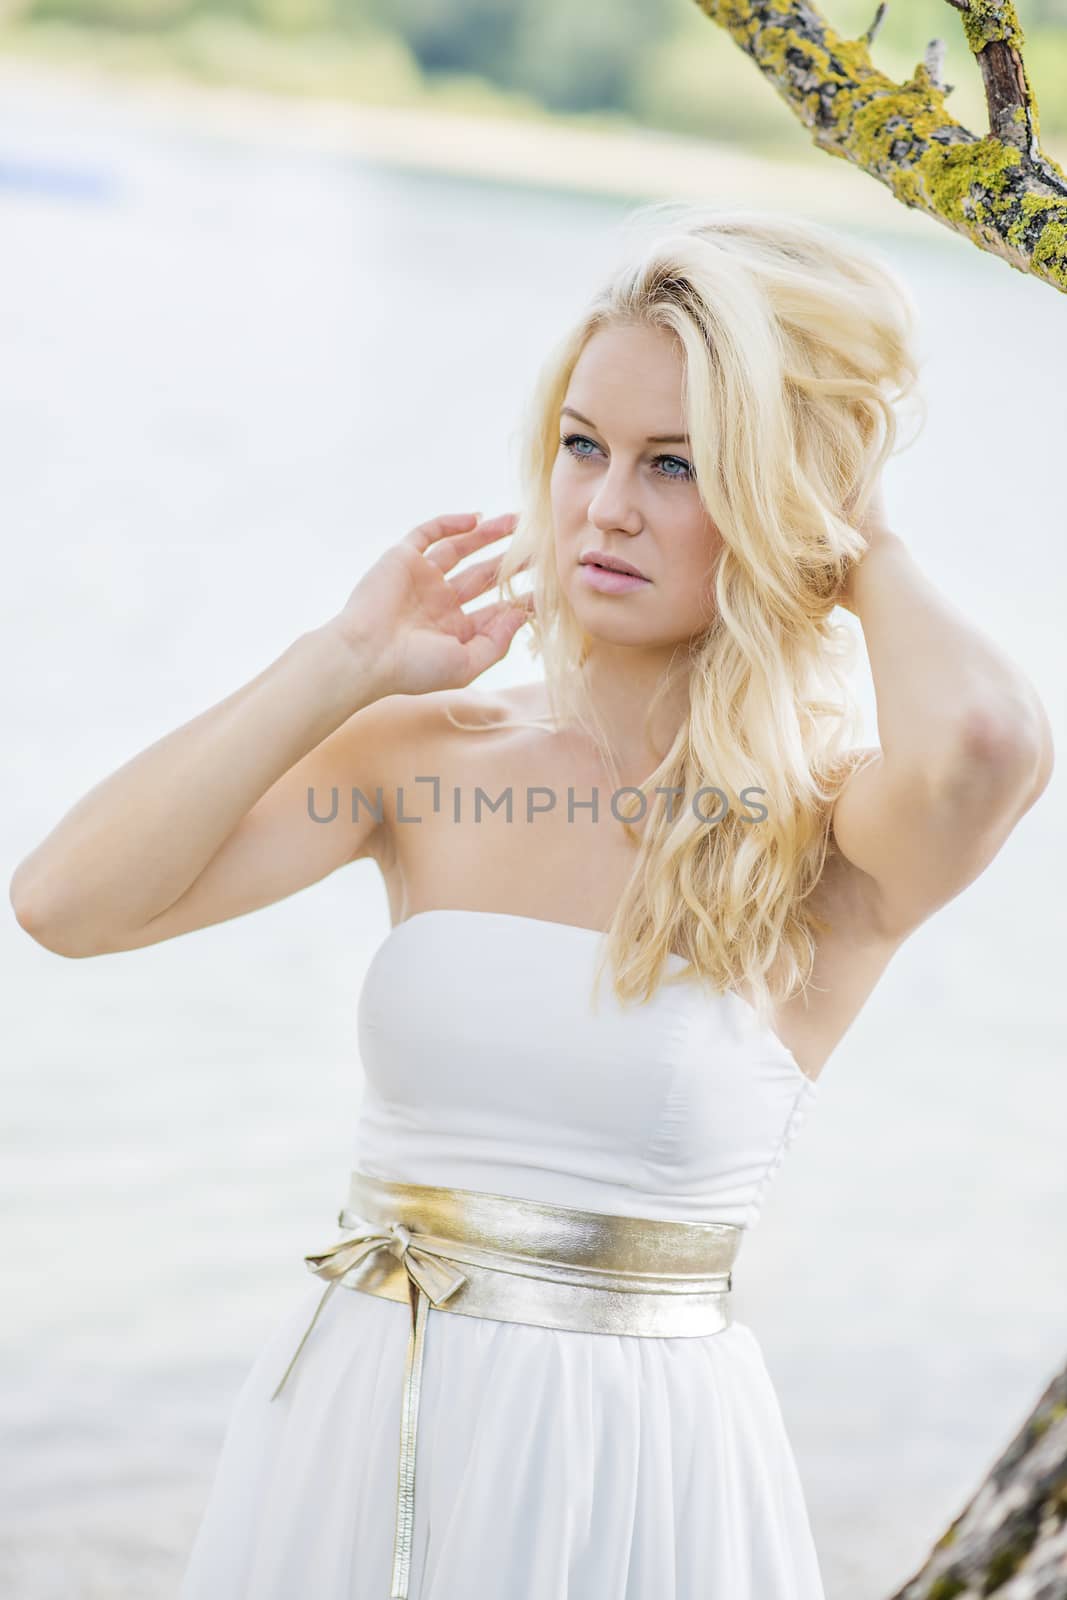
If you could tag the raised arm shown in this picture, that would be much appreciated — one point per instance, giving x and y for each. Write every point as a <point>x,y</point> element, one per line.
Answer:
<point>213,820</point>
<point>966,746</point>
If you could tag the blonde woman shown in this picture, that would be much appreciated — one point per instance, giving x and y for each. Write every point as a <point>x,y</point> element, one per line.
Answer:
<point>552,1180</point>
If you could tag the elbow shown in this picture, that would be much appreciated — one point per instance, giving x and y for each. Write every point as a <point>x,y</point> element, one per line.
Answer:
<point>1003,756</point>
<point>43,926</point>
<point>24,903</point>
<point>48,936</point>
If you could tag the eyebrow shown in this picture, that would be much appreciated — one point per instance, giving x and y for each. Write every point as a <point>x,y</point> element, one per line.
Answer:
<point>653,438</point>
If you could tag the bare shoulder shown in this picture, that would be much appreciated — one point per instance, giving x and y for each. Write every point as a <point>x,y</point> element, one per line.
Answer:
<point>413,733</point>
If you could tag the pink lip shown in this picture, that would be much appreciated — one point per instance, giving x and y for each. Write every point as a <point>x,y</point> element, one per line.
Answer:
<point>608,582</point>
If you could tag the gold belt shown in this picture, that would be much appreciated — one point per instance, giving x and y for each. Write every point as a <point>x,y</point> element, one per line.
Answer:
<point>512,1260</point>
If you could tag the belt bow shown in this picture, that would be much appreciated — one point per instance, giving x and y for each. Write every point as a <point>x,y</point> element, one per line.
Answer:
<point>434,1281</point>
<point>425,1267</point>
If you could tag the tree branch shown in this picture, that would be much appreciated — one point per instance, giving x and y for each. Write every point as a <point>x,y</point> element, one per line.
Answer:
<point>999,190</point>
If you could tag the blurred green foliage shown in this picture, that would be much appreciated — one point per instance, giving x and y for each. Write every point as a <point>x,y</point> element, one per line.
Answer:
<point>659,61</point>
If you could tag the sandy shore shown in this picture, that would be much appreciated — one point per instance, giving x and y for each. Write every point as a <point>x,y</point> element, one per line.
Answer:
<point>642,164</point>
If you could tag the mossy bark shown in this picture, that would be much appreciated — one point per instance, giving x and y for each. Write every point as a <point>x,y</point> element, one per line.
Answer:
<point>1011,1539</point>
<point>998,189</point>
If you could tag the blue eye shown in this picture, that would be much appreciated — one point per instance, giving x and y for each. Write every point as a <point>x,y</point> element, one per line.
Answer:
<point>574,439</point>
<point>686,472</point>
<point>570,442</point>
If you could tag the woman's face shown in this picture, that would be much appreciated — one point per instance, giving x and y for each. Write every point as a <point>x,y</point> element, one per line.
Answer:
<point>623,486</point>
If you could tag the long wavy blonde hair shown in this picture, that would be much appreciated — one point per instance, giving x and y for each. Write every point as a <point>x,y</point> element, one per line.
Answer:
<point>796,346</point>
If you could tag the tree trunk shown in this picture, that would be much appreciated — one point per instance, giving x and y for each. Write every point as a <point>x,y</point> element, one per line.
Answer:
<point>1011,1539</point>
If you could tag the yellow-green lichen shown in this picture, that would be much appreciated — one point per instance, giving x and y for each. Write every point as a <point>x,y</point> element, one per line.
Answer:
<point>902,133</point>
<point>946,1587</point>
<point>988,21</point>
<point>1005,1563</point>
<point>1041,1425</point>
<point>955,172</point>
<point>1050,251</point>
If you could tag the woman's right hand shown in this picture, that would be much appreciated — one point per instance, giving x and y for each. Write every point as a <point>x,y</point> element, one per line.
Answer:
<point>404,619</point>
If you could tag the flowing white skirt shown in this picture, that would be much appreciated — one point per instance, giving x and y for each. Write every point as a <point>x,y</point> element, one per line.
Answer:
<point>550,1464</point>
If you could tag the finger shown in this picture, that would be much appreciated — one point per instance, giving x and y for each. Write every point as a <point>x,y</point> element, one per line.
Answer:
<point>524,607</point>
<point>474,580</point>
<point>490,619</point>
<point>448,550</point>
<point>495,627</point>
<point>426,533</point>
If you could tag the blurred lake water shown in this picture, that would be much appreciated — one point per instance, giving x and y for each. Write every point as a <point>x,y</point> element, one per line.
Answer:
<point>233,372</point>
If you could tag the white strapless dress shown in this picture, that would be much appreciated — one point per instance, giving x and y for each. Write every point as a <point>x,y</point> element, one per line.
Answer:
<point>550,1463</point>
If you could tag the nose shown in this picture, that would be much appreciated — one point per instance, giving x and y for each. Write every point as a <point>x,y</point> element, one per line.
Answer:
<point>613,508</point>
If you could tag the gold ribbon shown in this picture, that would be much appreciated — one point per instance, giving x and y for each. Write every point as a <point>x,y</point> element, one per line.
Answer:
<point>548,1266</point>
<point>433,1284</point>
<point>423,1266</point>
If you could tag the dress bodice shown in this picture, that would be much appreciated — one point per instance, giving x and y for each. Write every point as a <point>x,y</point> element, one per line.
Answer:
<point>488,1067</point>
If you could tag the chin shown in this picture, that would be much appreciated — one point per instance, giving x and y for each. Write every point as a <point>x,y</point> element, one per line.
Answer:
<point>614,630</point>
